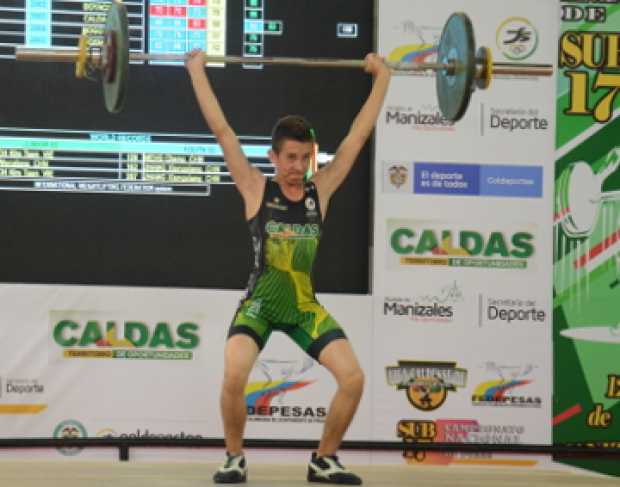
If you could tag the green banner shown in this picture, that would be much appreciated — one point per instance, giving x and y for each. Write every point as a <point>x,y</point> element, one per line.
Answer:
<point>586,272</point>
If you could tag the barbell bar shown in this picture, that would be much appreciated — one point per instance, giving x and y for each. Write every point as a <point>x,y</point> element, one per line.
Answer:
<point>459,69</point>
<point>70,55</point>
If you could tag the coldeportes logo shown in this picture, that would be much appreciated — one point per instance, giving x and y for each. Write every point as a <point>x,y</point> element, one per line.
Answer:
<point>517,38</point>
<point>70,428</point>
<point>146,433</point>
<point>501,392</point>
<point>445,244</point>
<point>83,334</point>
<point>426,384</point>
<point>259,395</point>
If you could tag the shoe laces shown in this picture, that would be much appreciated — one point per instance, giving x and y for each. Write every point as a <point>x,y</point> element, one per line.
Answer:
<point>335,459</point>
<point>230,458</point>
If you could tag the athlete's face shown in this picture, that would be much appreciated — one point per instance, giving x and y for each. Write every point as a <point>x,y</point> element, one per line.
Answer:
<point>292,161</point>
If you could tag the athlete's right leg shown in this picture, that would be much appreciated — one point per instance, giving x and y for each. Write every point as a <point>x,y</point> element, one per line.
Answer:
<point>247,335</point>
<point>239,356</point>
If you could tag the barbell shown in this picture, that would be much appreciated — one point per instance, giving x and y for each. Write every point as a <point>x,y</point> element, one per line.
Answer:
<point>459,69</point>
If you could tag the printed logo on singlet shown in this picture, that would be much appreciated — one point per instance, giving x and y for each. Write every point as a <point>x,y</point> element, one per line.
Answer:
<point>276,204</point>
<point>292,230</point>
<point>253,310</point>
<point>311,208</point>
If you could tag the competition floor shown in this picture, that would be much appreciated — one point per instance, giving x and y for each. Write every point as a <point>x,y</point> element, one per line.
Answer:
<point>137,474</point>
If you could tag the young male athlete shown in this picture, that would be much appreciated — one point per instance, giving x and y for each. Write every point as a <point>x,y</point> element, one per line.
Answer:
<point>285,216</point>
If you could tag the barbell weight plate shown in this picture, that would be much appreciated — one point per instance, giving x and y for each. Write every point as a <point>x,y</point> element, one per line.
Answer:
<point>457,46</point>
<point>117,40</point>
<point>108,57</point>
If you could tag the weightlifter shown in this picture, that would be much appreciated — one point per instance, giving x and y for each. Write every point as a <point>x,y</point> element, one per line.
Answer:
<point>285,216</point>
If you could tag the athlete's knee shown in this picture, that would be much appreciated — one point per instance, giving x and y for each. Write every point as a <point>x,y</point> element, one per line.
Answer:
<point>353,382</point>
<point>234,383</point>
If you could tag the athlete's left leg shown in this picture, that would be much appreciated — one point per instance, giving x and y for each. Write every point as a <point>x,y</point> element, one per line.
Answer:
<point>324,340</point>
<point>338,357</point>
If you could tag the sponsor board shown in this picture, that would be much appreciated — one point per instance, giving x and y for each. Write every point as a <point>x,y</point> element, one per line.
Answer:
<point>146,433</point>
<point>20,387</point>
<point>508,388</point>
<point>268,400</point>
<point>459,431</point>
<point>421,44</point>
<point>514,121</point>
<point>495,310</point>
<point>70,429</point>
<point>435,307</point>
<point>98,334</point>
<point>397,177</point>
<point>427,118</point>
<point>435,243</point>
<point>13,393</point>
<point>426,384</point>
<point>516,181</point>
<point>517,38</point>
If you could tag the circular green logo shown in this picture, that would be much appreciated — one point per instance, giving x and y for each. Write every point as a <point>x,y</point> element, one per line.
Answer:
<point>517,38</point>
<point>70,429</point>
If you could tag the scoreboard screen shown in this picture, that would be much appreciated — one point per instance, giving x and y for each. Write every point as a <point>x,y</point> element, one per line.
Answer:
<point>144,197</point>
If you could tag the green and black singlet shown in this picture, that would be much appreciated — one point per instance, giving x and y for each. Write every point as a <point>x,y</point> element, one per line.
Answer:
<point>280,296</point>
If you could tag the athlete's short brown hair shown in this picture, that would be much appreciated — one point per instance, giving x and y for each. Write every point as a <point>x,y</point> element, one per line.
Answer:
<point>293,127</point>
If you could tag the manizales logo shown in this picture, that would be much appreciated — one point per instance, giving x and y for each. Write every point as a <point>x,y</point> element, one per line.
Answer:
<point>97,339</point>
<point>462,248</point>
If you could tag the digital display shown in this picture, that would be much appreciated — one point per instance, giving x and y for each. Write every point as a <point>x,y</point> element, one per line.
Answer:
<point>58,24</point>
<point>154,172</point>
<point>105,162</point>
<point>177,26</point>
<point>171,26</point>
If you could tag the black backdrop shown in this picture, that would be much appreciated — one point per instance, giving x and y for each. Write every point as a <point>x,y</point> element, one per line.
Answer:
<point>177,240</point>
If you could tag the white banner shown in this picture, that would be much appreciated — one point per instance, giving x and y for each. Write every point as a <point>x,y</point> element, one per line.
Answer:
<point>87,361</point>
<point>462,254</point>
